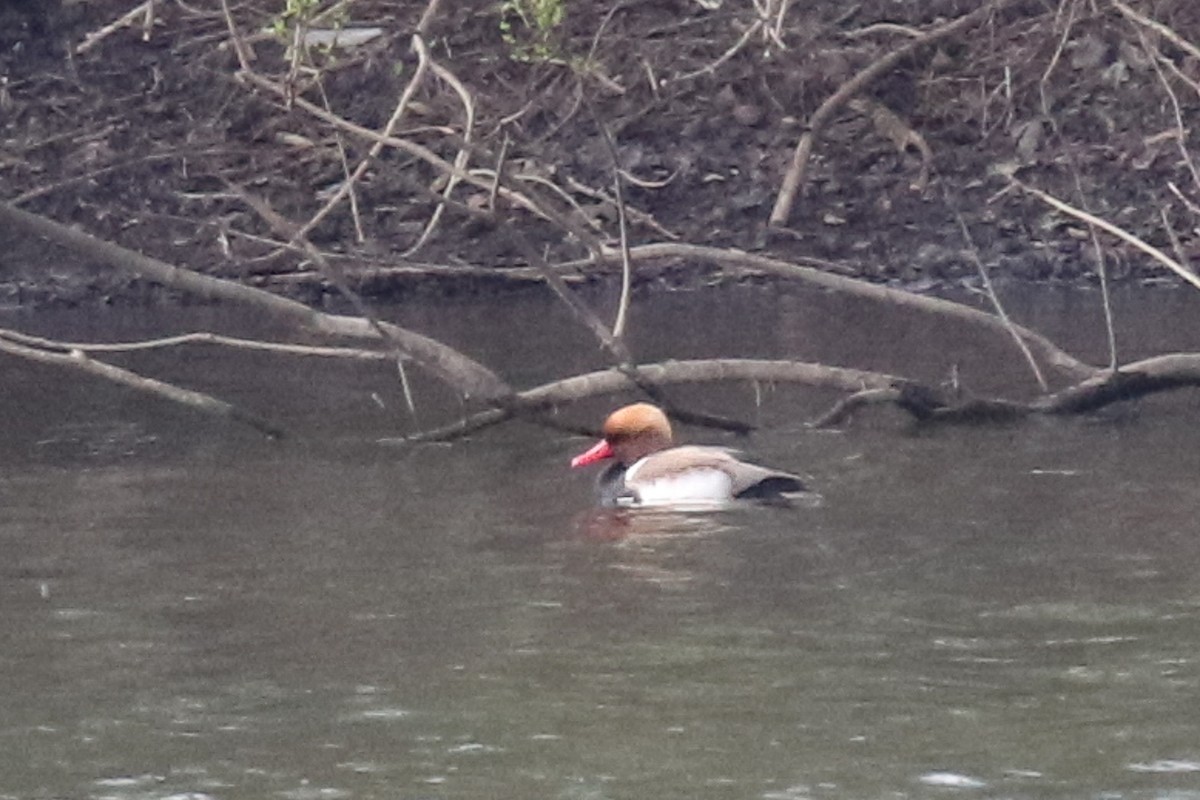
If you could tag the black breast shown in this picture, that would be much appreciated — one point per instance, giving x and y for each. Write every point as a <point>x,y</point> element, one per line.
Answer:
<point>611,486</point>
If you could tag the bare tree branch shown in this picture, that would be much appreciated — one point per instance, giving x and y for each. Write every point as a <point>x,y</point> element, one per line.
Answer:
<point>1120,233</point>
<point>468,376</point>
<point>996,304</point>
<point>199,337</point>
<point>1046,349</point>
<point>668,373</point>
<point>1159,28</point>
<point>198,400</point>
<point>793,179</point>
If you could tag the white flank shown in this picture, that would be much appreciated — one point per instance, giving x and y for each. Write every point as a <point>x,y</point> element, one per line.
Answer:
<point>700,485</point>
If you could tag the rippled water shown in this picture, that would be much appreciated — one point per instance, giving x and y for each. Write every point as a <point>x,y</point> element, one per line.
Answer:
<point>189,611</point>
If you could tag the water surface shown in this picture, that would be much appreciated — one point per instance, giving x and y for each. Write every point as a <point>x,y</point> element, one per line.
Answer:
<point>190,611</point>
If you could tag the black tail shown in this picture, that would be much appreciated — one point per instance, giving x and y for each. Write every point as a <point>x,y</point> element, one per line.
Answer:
<point>772,487</point>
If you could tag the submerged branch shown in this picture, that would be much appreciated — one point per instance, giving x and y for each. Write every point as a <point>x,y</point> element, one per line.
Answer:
<point>198,400</point>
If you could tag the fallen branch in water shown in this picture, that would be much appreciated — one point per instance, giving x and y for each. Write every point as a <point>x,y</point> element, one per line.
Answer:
<point>867,388</point>
<point>611,381</point>
<point>1093,388</point>
<point>1130,382</point>
<point>1055,356</point>
<point>1064,362</point>
<point>198,337</point>
<point>208,404</point>
<point>468,376</point>
<point>995,301</point>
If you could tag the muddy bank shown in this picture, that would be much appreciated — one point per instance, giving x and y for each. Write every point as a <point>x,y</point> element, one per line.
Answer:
<point>134,139</point>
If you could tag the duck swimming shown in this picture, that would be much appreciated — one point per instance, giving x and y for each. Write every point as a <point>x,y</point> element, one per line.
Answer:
<point>647,470</point>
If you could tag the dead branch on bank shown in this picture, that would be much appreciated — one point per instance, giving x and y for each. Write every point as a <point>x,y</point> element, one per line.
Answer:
<point>144,10</point>
<point>1122,234</point>
<point>793,179</point>
<point>351,180</point>
<point>611,339</point>
<point>1163,30</point>
<point>429,157</point>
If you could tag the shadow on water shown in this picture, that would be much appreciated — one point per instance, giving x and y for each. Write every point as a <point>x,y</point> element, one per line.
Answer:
<point>192,612</point>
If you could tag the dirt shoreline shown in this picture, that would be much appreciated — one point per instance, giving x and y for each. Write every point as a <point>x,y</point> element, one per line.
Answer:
<point>132,141</point>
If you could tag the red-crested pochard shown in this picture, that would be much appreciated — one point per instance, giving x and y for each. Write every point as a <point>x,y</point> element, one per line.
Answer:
<point>649,471</point>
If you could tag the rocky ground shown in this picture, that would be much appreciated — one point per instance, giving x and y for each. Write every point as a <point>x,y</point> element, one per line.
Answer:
<point>135,138</point>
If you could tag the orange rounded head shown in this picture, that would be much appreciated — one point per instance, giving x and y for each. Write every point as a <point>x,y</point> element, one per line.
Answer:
<point>630,433</point>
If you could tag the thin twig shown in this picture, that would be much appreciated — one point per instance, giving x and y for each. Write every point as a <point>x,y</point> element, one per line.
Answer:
<point>996,304</point>
<point>124,21</point>
<point>710,69</point>
<point>347,176</point>
<point>1058,51</point>
<point>631,213</point>
<point>427,17</point>
<point>428,156</point>
<point>148,20</point>
<point>461,159</point>
<point>1158,27</point>
<point>500,159</point>
<point>612,12</point>
<point>1120,233</point>
<point>1110,326</point>
<point>776,28</point>
<point>198,337</point>
<point>1157,58</point>
<point>626,269</point>
<point>1187,201</point>
<point>376,148</point>
<point>1068,153</point>
<point>48,188</point>
<point>1181,75</point>
<point>239,45</point>
<point>1176,244</point>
